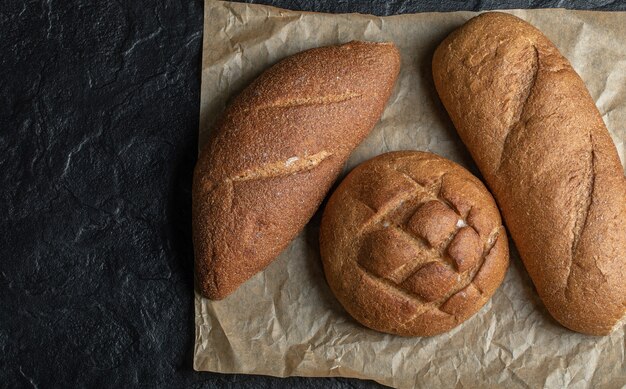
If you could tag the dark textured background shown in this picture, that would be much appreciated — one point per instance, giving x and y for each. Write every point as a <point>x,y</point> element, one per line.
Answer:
<point>98,137</point>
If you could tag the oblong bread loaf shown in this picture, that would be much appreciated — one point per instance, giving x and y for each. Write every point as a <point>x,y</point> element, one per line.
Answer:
<point>539,141</point>
<point>276,151</point>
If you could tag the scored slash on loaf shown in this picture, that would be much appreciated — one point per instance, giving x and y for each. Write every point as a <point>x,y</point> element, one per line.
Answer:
<point>540,143</point>
<point>275,152</point>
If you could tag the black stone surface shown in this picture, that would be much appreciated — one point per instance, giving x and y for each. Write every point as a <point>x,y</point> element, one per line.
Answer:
<point>99,105</point>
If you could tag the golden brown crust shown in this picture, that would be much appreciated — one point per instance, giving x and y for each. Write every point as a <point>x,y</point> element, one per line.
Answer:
<point>276,151</point>
<point>399,250</point>
<point>540,143</point>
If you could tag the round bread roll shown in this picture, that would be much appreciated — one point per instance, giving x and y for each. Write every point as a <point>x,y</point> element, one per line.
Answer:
<point>412,244</point>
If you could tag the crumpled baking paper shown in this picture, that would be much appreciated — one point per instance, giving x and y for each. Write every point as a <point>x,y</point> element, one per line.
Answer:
<point>285,321</point>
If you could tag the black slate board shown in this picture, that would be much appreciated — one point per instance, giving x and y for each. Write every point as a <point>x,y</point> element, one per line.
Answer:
<point>99,107</point>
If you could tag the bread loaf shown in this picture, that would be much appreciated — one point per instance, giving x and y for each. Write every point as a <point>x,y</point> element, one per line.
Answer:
<point>412,244</point>
<point>276,151</point>
<point>540,143</point>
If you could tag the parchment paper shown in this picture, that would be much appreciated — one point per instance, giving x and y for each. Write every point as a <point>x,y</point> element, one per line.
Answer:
<point>285,320</point>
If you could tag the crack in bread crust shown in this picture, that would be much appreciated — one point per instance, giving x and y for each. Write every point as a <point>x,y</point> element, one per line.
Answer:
<point>516,124</point>
<point>388,209</point>
<point>437,254</point>
<point>491,242</point>
<point>413,267</point>
<point>315,100</point>
<point>582,213</point>
<point>424,305</point>
<point>288,167</point>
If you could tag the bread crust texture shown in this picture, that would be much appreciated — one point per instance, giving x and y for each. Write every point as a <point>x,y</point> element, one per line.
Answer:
<point>275,152</point>
<point>412,244</point>
<point>540,143</point>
